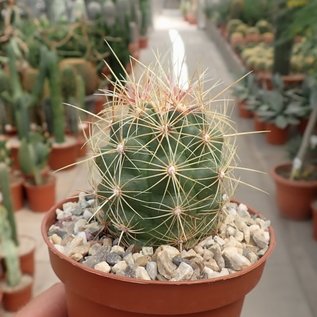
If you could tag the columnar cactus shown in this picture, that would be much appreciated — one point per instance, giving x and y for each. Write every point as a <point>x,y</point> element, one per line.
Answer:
<point>6,200</point>
<point>9,250</point>
<point>33,157</point>
<point>165,160</point>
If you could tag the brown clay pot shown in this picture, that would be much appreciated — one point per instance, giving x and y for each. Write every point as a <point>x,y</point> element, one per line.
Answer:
<point>314,209</point>
<point>15,300</point>
<point>27,256</point>
<point>252,38</point>
<point>290,81</point>
<point>293,197</point>
<point>100,104</point>
<point>219,297</point>
<point>243,111</point>
<point>259,125</point>
<point>41,198</point>
<point>275,135</point>
<point>15,157</point>
<point>143,42</point>
<point>16,189</point>
<point>63,155</point>
<point>192,19</point>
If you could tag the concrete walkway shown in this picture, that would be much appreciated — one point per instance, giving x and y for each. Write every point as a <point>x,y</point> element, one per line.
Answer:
<point>289,284</point>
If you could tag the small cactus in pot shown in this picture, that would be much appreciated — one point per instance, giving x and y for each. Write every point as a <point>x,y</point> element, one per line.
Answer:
<point>165,160</point>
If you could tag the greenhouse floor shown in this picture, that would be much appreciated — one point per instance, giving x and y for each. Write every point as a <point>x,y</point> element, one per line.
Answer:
<point>288,287</point>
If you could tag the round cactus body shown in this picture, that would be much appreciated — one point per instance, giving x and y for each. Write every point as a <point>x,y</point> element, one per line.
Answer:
<point>164,159</point>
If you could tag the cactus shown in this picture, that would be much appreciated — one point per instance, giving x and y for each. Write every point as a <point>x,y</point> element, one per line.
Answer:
<point>164,160</point>
<point>33,157</point>
<point>19,100</point>
<point>109,13</point>
<point>6,198</point>
<point>73,92</point>
<point>9,250</point>
<point>145,21</point>
<point>53,75</point>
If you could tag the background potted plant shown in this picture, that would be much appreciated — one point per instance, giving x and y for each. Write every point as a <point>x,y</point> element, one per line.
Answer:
<point>296,185</point>
<point>39,184</point>
<point>25,244</point>
<point>16,288</point>
<point>164,170</point>
<point>246,88</point>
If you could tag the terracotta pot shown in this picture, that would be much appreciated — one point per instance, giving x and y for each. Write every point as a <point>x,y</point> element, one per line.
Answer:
<point>63,155</point>
<point>293,197</point>
<point>259,125</point>
<point>14,149</point>
<point>27,254</point>
<point>100,104</point>
<point>290,81</point>
<point>143,42</point>
<point>15,300</point>
<point>302,126</point>
<point>16,189</point>
<point>243,111</point>
<point>103,293</point>
<point>41,198</point>
<point>314,209</point>
<point>276,136</point>
<point>252,38</point>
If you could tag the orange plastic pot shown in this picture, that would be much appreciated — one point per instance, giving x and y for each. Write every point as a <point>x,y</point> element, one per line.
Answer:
<point>27,257</point>
<point>143,42</point>
<point>294,197</point>
<point>15,300</point>
<point>41,197</point>
<point>243,111</point>
<point>16,189</point>
<point>93,293</point>
<point>259,125</point>
<point>276,135</point>
<point>63,155</point>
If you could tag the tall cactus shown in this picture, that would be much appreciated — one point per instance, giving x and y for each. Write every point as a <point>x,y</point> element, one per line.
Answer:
<point>73,92</point>
<point>165,161</point>
<point>33,157</point>
<point>9,250</point>
<point>19,99</point>
<point>53,75</point>
<point>7,202</point>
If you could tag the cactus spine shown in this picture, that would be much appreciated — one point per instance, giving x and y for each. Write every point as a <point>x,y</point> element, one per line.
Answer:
<point>165,161</point>
<point>7,203</point>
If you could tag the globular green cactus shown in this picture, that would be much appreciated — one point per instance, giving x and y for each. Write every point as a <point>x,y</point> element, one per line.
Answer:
<point>165,162</point>
<point>9,250</point>
<point>33,157</point>
<point>6,200</point>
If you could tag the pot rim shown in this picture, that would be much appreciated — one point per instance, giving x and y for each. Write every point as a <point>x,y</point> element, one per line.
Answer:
<point>50,180</point>
<point>296,183</point>
<point>130,280</point>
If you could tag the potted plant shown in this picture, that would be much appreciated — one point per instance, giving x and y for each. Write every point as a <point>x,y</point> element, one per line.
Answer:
<point>39,184</point>
<point>15,180</point>
<point>296,184</point>
<point>16,288</point>
<point>246,88</point>
<point>161,204</point>
<point>25,244</point>
<point>145,20</point>
<point>281,108</point>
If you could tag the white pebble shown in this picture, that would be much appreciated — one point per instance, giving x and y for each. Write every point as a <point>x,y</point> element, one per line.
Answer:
<point>103,267</point>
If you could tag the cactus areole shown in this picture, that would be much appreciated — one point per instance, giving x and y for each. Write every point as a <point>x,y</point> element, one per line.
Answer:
<point>165,160</point>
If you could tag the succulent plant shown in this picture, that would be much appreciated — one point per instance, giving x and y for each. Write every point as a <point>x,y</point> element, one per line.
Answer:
<point>9,250</point>
<point>233,25</point>
<point>73,92</point>
<point>33,157</point>
<point>264,26</point>
<point>165,160</point>
<point>7,203</point>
